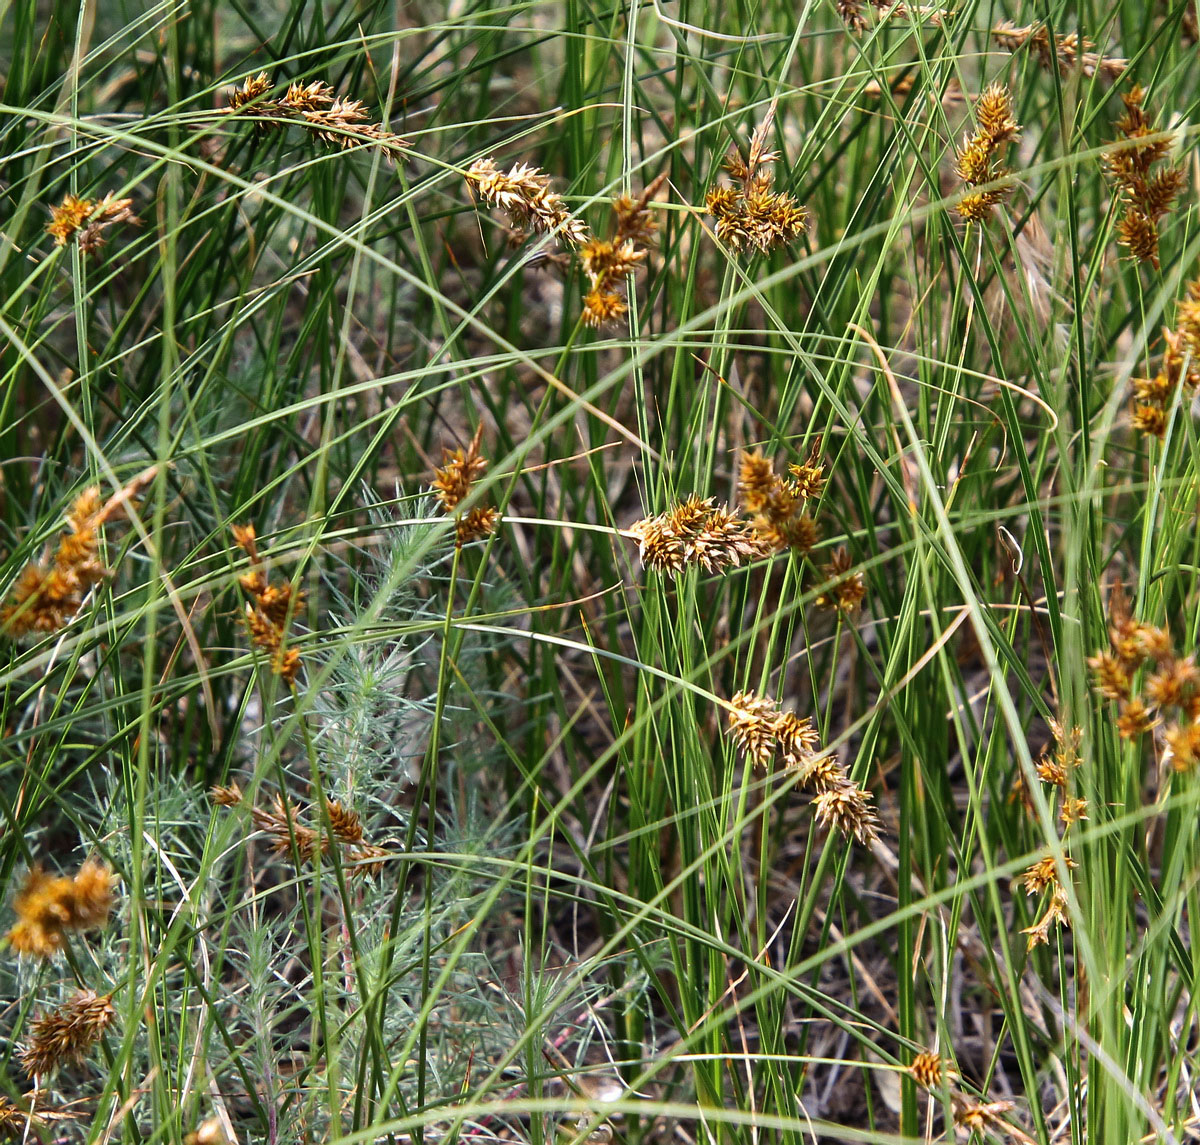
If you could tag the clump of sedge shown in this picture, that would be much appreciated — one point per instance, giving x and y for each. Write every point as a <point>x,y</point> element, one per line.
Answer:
<point>1066,52</point>
<point>50,591</point>
<point>289,834</point>
<point>270,609</point>
<point>524,194</point>
<point>337,120</point>
<point>48,906</point>
<point>1170,691</point>
<point>608,262</point>
<point>1180,367</point>
<point>778,505</point>
<point>762,732</point>
<point>86,220</point>
<point>975,165</point>
<point>65,1035</point>
<point>696,532</point>
<point>750,213</point>
<point>1147,193</point>
<point>452,485</point>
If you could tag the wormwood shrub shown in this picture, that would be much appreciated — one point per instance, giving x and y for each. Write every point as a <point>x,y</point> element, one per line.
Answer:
<point>599,571</point>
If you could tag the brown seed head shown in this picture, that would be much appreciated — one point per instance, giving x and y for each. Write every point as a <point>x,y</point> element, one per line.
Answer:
<point>848,808</point>
<point>65,1035</point>
<point>1112,681</point>
<point>930,1071</point>
<point>753,727</point>
<point>696,532</point>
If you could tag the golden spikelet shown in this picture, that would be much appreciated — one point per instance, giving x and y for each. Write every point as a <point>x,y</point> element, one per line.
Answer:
<point>846,589</point>
<point>847,807</point>
<point>50,591</point>
<point>47,906</point>
<point>696,532</point>
<point>88,219</point>
<point>337,120</point>
<point>66,1035</point>
<point>751,213</point>
<point>1179,368</point>
<point>1066,52</point>
<point>777,504</point>
<point>524,195</point>
<point>976,158</point>
<point>452,484</point>
<point>16,1124</point>
<point>761,732</point>
<point>930,1070</point>
<point>281,823</point>
<point>1054,915</point>
<point>270,609</point>
<point>1147,194</point>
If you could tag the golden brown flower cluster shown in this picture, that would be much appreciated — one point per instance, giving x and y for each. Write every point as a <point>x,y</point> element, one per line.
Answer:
<point>17,1124</point>
<point>761,732</point>
<point>853,13</point>
<point>1169,694</point>
<point>696,532</point>
<point>846,589</point>
<point>750,213</point>
<point>51,590</point>
<point>270,609</point>
<point>1054,768</point>
<point>281,823</point>
<point>1180,367</point>
<point>1147,193</point>
<point>87,220</point>
<point>48,906</point>
<point>452,485</point>
<point>931,1071</point>
<point>65,1035</point>
<point>524,194</point>
<point>997,128</point>
<point>1066,51</point>
<point>607,263</point>
<point>332,119</point>
<point>778,504</point>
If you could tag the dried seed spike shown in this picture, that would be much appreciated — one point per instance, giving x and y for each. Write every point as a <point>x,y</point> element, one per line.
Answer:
<point>758,143</point>
<point>66,1034</point>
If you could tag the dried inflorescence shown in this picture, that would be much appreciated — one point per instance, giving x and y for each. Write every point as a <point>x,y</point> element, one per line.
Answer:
<point>270,609</point>
<point>846,588</point>
<point>86,220</point>
<point>750,213</point>
<point>762,732</point>
<point>696,532</point>
<point>524,194</point>
<point>50,591</point>
<point>66,1034</point>
<point>48,906</point>
<point>1066,51</point>
<point>452,484</point>
<point>290,835</point>
<point>1147,194</point>
<point>1170,687</point>
<point>853,13</point>
<point>931,1071</point>
<point>977,157</point>
<point>778,505</point>
<point>333,119</point>
<point>17,1124</point>
<point>609,262</point>
<point>1178,370</point>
